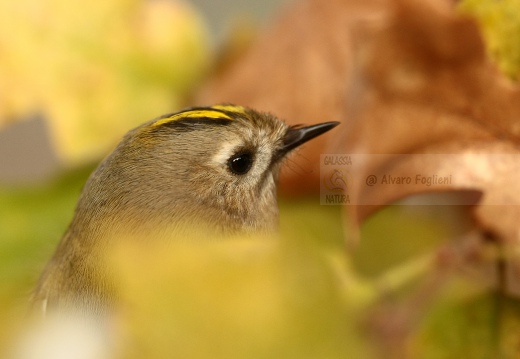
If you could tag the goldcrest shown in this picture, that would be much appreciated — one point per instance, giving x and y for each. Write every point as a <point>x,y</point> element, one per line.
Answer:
<point>204,172</point>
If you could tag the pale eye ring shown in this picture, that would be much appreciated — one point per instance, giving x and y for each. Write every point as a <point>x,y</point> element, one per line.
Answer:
<point>240,163</point>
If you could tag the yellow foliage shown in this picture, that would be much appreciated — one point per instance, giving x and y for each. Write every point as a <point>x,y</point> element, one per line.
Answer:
<point>254,298</point>
<point>97,68</point>
<point>500,23</point>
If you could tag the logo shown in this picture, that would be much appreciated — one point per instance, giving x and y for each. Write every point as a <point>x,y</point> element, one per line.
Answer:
<point>336,180</point>
<point>335,173</point>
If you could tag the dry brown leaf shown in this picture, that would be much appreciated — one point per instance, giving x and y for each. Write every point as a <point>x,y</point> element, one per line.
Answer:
<point>430,88</point>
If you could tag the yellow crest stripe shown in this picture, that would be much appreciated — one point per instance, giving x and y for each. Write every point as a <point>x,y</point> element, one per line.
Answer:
<point>199,113</point>
<point>230,108</point>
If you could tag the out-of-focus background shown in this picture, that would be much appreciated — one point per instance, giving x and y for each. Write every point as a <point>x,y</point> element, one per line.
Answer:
<point>407,280</point>
<point>187,37</point>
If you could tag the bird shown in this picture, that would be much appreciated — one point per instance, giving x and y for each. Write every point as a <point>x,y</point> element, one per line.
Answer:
<point>203,172</point>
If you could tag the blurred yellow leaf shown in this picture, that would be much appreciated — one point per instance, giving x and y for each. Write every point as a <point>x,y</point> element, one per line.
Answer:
<point>96,69</point>
<point>254,298</point>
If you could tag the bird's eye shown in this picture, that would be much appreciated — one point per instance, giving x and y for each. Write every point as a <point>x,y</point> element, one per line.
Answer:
<point>240,163</point>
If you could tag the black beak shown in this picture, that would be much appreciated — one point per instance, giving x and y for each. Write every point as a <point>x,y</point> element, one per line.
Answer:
<point>296,136</point>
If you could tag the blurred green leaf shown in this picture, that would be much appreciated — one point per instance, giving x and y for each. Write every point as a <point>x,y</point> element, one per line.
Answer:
<point>32,220</point>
